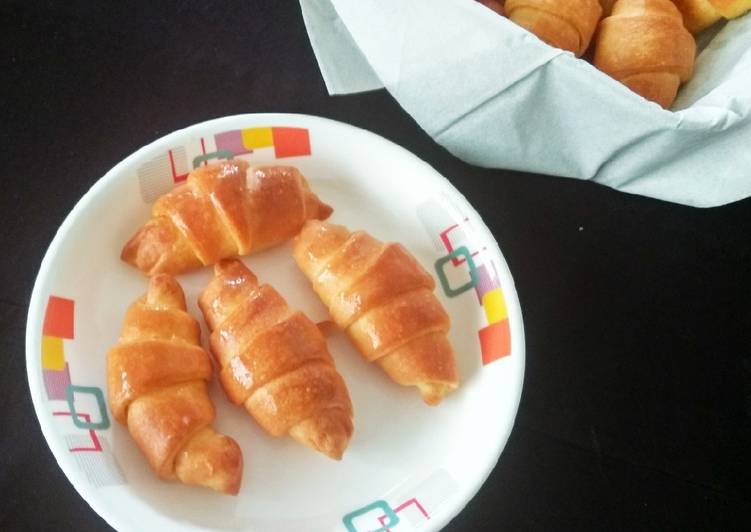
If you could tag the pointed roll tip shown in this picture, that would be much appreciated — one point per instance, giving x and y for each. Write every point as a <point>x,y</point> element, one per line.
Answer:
<point>165,291</point>
<point>335,439</point>
<point>130,250</point>
<point>233,267</point>
<point>133,252</point>
<point>315,241</point>
<point>328,432</point>
<point>433,393</point>
<point>225,467</point>
<point>211,460</point>
<point>152,249</point>
<point>225,266</point>
<point>233,460</point>
<point>334,445</point>
<point>324,211</point>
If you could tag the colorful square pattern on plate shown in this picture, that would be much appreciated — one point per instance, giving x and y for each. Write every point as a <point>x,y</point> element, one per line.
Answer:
<point>79,427</point>
<point>158,176</point>
<point>467,266</point>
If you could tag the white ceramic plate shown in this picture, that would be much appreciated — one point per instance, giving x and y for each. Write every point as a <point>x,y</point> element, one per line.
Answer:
<point>408,466</point>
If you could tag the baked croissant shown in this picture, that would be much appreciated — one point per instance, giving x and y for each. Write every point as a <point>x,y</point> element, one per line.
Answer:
<point>156,385</point>
<point>700,14</point>
<point>223,210</point>
<point>568,25</point>
<point>384,299</point>
<point>645,46</point>
<point>275,361</point>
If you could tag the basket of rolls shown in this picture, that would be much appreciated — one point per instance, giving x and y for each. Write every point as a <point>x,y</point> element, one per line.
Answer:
<point>651,97</point>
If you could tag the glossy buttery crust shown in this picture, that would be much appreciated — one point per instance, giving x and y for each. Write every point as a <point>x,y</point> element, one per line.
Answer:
<point>223,210</point>
<point>645,46</point>
<point>275,361</point>
<point>156,384</point>
<point>568,24</point>
<point>384,299</point>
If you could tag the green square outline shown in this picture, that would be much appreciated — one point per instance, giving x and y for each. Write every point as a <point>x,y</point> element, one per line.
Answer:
<point>99,396</point>
<point>474,277</point>
<point>383,505</point>
<point>220,154</point>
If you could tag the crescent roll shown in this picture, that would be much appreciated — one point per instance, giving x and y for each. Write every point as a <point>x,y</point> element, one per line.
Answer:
<point>223,210</point>
<point>156,385</point>
<point>384,299</point>
<point>275,361</point>
<point>568,25</point>
<point>645,46</point>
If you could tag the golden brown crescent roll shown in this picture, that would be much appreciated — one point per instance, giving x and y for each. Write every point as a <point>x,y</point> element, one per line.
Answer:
<point>275,361</point>
<point>568,25</point>
<point>223,210</point>
<point>156,385</point>
<point>645,46</point>
<point>700,14</point>
<point>384,299</point>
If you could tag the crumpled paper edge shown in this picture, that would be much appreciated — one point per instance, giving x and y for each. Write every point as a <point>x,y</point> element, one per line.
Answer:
<point>344,68</point>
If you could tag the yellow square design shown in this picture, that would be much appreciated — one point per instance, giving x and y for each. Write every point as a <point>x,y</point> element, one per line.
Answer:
<point>53,357</point>
<point>495,306</point>
<point>257,137</point>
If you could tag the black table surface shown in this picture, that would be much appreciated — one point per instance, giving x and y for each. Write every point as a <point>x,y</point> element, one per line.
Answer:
<point>636,409</point>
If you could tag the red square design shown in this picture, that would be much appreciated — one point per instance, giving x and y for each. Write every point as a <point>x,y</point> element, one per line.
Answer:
<point>290,141</point>
<point>495,341</point>
<point>58,318</point>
